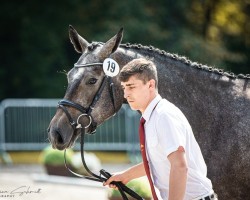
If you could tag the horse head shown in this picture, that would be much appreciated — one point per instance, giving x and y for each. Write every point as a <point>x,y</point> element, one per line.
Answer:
<point>91,96</point>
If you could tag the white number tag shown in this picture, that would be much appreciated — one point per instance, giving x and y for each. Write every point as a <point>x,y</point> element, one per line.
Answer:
<point>110,67</point>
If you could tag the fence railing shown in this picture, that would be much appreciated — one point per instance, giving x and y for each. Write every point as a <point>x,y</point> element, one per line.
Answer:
<point>24,122</point>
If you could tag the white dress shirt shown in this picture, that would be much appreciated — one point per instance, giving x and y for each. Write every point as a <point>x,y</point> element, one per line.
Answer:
<point>166,129</point>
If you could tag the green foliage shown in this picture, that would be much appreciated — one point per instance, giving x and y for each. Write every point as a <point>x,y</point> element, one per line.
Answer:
<point>35,44</point>
<point>55,157</point>
<point>225,24</point>
<point>140,186</point>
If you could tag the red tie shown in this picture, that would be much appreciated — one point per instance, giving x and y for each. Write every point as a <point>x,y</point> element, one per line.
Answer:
<point>144,157</point>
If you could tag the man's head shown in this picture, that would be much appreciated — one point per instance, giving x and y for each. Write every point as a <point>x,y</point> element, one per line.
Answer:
<point>139,81</point>
<point>142,69</point>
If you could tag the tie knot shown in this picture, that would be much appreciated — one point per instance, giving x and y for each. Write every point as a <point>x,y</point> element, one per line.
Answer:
<point>142,120</point>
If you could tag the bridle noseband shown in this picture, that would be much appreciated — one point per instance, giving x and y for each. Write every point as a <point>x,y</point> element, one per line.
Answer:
<point>87,111</point>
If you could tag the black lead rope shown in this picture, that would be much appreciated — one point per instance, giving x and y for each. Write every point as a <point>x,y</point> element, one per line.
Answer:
<point>104,175</point>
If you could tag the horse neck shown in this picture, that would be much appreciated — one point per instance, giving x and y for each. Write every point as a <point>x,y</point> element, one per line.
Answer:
<point>181,79</point>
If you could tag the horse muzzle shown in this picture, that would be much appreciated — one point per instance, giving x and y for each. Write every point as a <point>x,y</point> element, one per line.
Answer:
<point>62,135</point>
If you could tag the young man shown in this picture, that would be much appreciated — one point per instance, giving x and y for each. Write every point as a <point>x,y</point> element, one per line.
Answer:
<point>177,168</point>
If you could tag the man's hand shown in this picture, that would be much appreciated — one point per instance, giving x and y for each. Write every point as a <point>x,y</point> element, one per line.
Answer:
<point>117,177</point>
<point>126,176</point>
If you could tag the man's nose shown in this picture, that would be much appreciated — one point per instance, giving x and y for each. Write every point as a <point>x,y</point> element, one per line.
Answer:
<point>125,93</point>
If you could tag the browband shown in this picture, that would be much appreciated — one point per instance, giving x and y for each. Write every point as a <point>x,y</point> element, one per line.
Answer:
<point>86,65</point>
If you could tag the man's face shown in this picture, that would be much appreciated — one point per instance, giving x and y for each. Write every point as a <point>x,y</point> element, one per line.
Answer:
<point>137,93</point>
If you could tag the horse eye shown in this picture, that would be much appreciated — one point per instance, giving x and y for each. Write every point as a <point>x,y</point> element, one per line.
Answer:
<point>92,81</point>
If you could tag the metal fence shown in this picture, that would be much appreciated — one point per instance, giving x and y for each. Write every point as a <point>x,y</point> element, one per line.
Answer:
<point>24,122</point>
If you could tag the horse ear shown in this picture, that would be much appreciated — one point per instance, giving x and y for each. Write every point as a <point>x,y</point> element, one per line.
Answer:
<point>80,44</point>
<point>111,45</point>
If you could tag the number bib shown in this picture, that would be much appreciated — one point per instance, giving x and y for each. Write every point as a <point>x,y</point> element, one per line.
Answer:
<point>110,67</point>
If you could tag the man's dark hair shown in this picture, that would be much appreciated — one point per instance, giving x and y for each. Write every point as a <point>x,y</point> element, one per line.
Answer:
<point>142,68</point>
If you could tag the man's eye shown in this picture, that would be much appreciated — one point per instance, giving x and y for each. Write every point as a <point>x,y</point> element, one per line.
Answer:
<point>92,81</point>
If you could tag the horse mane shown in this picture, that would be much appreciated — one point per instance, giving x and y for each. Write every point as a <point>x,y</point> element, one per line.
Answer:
<point>176,57</point>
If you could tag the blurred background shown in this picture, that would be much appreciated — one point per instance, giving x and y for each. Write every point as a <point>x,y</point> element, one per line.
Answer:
<point>35,47</point>
<point>36,51</point>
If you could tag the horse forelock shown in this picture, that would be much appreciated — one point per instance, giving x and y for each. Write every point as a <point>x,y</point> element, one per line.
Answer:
<point>150,49</point>
<point>93,45</point>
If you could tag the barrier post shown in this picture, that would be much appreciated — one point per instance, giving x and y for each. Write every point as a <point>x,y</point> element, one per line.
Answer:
<point>3,154</point>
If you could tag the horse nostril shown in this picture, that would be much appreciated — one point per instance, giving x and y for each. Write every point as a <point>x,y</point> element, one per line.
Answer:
<point>48,130</point>
<point>59,137</point>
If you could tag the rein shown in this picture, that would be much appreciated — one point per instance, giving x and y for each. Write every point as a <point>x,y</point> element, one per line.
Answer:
<point>104,175</point>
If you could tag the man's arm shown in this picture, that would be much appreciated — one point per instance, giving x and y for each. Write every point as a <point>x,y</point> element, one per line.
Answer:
<point>127,175</point>
<point>178,174</point>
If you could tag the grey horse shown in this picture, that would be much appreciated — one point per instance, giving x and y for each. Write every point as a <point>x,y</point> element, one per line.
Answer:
<point>216,103</point>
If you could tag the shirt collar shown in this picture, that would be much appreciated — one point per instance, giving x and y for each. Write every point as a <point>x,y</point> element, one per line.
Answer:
<point>147,113</point>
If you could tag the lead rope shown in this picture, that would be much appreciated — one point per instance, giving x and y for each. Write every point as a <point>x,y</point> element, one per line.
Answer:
<point>106,175</point>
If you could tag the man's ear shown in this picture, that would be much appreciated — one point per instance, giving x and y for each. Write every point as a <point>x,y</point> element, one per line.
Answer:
<point>152,84</point>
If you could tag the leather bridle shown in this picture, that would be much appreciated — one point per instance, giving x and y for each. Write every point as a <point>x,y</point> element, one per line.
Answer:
<point>104,176</point>
<point>87,111</point>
